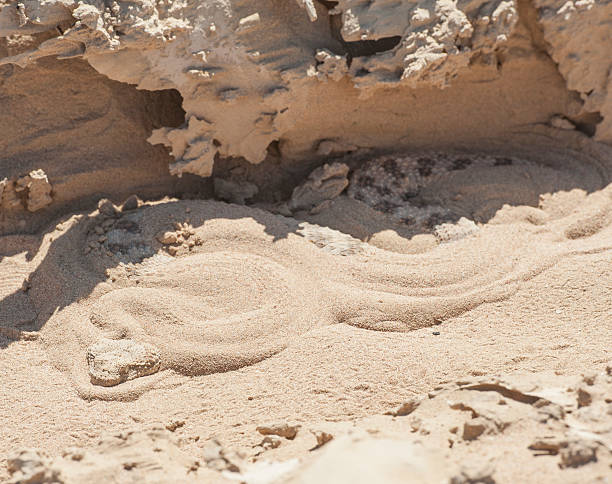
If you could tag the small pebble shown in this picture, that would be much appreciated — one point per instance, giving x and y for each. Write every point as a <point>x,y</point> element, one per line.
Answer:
<point>436,333</point>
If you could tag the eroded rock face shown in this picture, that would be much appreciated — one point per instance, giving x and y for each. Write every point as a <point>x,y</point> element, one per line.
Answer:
<point>30,192</point>
<point>249,71</point>
<point>574,30</point>
<point>115,361</point>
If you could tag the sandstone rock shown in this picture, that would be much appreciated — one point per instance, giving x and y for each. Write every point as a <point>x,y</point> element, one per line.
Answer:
<point>322,438</point>
<point>112,362</point>
<point>131,203</point>
<point>324,183</point>
<point>149,456</point>
<point>107,208</point>
<point>364,460</point>
<point>474,428</point>
<point>577,453</point>
<point>217,457</point>
<point>406,408</point>
<point>281,429</point>
<point>38,190</point>
<point>167,238</point>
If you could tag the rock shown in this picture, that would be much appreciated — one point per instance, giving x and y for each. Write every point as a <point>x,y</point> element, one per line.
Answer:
<point>583,397</point>
<point>31,466</point>
<point>474,428</point>
<point>324,183</point>
<point>271,442</point>
<point>174,424</point>
<point>112,362</point>
<point>561,122</point>
<point>280,429</point>
<point>38,190</point>
<point>150,456</point>
<point>577,453</point>
<point>329,66</point>
<point>406,408</point>
<point>234,191</point>
<point>322,438</point>
<point>168,238</point>
<point>221,459</point>
<point>107,208</point>
<point>131,203</point>
<point>476,473</point>
<point>365,460</point>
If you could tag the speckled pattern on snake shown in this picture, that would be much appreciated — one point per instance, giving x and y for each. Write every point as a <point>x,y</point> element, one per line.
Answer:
<point>392,183</point>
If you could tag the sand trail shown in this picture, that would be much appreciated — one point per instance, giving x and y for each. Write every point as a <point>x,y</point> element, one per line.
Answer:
<point>213,287</point>
<point>257,281</point>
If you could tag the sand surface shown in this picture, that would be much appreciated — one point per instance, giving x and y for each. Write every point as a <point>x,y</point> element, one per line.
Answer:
<point>233,317</point>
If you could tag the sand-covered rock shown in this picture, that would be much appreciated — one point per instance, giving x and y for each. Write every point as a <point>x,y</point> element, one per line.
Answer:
<point>132,456</point>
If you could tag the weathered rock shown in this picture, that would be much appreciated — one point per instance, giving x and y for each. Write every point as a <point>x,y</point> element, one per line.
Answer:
<point>281,429</point>
<point>112,362</point>
<point>135,456</point>
<point>107,208</point>
<point>131,203</point>
<point>361,459</point>
<point>406,408</point>
<point>577,453</point>
<point>38,190</point>
<point>324,183</point>
<point>472,429</point>
<point>219,458</point>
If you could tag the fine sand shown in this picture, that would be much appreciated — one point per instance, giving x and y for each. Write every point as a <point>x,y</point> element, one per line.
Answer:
<point>236,317</point>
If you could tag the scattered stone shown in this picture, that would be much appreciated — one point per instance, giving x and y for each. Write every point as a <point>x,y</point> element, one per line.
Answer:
<point>589,378</point>
<point>271,442</point>
<point>150,456</point>
<point>406,408</point>
<point>475,474</point>
<point>280,429</point>
<point>220,459</point>
<point>31,466</point>
<point>322,438</point>
<point>561,122</point>
<point>364,459</point>
<point>112,362</point>
<point>577,453</point>
<point>548,446</point>
<point>234,191</point>
<point>324,183</point>
<point>584,398</point>
<point>131,203</point>
<point>174,424</point>
<point>107,208</point>
<point>329,66</point>
<point>474,428</point>
<point>168,238</point>
<point>38,190</point>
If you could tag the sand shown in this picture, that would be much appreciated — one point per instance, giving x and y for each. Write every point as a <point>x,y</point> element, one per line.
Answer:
<point>305,241</point>
<point>213,319</point>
